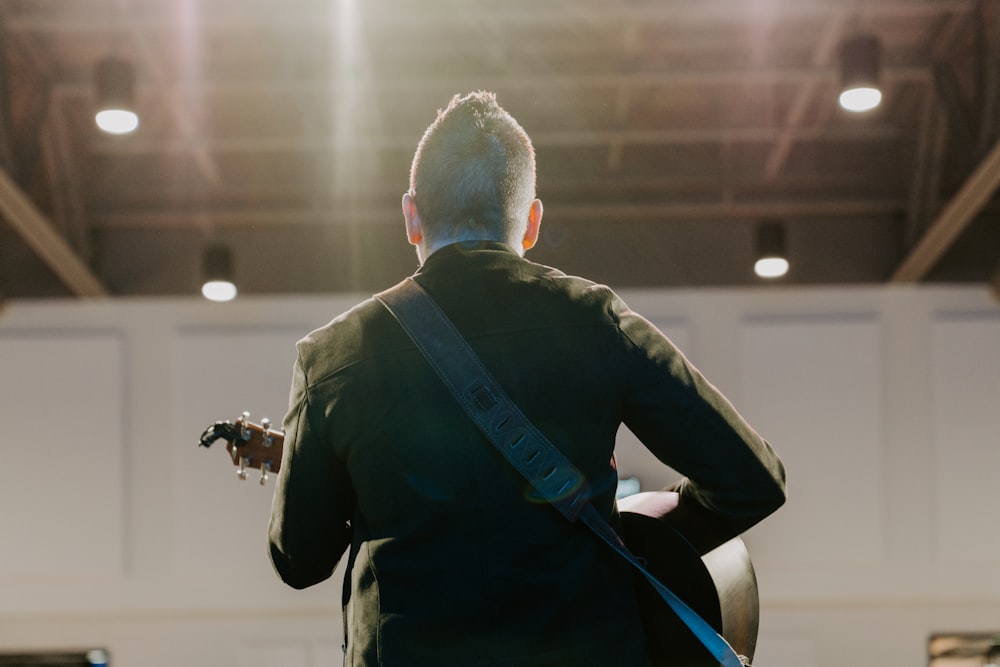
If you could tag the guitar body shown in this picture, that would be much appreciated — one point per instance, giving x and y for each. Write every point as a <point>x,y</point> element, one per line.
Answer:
<point>718,583</point>
<point>714,577</point>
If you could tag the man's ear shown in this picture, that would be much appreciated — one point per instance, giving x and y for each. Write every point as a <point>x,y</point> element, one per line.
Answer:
<point>534,224</point>
<point>414,232</point>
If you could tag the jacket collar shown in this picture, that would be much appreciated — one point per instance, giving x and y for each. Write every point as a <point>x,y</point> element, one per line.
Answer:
<point>465,249</point>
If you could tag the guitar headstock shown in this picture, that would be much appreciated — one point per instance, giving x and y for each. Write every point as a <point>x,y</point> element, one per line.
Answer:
<point>250,445</point>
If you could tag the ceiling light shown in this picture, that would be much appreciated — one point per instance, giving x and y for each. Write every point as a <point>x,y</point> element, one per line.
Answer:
<point>218,267</point>
<point>860,65</point>
<point>114,79</point>
<point>772,257</point>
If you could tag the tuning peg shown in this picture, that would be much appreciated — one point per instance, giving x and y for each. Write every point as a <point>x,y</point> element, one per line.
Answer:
<point>244,426</point>
<point>265,425</point>
<point>265,469</point>
<point>241,472</point>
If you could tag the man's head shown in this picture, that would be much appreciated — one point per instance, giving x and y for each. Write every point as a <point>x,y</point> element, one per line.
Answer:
<point>472,179</point>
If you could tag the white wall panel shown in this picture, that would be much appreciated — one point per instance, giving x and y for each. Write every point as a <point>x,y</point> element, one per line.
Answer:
<point>787,652</point>
<point>265,655</point>
<point>302,653</point>
<point>61,406</point>
<point>966,438</point>
<point>326,654</point>
<point>813,388</point>
<point>120,532</point>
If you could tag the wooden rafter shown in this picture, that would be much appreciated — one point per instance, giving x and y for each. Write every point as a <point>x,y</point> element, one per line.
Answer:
<point>953,219</point>
<point>36,230</point>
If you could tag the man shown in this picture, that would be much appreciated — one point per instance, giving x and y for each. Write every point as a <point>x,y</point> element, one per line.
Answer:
<point>451,561</point>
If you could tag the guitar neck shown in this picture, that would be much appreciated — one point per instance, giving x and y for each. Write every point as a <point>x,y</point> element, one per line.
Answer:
<point>250,445</point>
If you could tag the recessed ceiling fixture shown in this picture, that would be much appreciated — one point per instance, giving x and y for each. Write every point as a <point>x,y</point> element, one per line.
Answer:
<point>860,67</point>
<point>771,254</point>
<point>218,269</point>
<point>114,79</point>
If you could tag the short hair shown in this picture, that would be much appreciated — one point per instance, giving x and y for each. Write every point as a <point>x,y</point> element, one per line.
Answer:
<point>473,173</point>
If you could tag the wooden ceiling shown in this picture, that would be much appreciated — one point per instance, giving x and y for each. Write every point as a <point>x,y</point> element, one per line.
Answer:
<point>665,131</point>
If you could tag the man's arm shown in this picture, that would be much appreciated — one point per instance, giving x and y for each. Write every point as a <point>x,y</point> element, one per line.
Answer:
<point>313,498</point>
<point>733,478</point>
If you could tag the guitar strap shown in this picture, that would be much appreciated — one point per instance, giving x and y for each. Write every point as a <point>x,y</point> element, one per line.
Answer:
<point>552,475</point>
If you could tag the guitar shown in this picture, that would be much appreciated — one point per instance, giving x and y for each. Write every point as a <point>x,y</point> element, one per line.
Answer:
<point>713,577</point>
<point>251,446</point>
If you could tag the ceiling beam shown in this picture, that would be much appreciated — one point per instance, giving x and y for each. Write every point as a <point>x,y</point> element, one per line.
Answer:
<point>542,139</point>
<point>953,219</point>
<point>184,113</point>
<point>924,182</point>
<point>990,81</point>
<point>825,49</point>
<point>6,125</point>
<point>547,82</point>
<point>623,94</point>
<point>257,217</point>
<point>36,230</point>
<point>66,186</point>
<point>234,15</point>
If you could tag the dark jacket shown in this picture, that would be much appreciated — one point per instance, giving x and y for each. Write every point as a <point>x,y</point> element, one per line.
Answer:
<point>452,562</point>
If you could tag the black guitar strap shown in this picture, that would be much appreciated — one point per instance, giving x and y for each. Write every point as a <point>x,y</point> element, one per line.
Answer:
<point>552,475</point>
